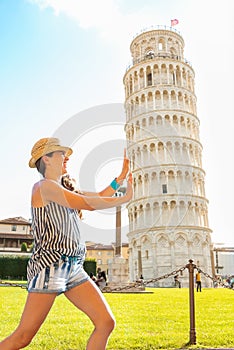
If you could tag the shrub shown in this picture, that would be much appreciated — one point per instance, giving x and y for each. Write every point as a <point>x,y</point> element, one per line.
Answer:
<point>90,266</point>
<point>30,247</point>
<point>24,247</point>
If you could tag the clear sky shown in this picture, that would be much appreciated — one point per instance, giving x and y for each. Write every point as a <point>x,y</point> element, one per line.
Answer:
<point>65,59</point>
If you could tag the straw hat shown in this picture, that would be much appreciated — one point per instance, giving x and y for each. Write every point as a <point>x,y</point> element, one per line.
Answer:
<point>45,146</point>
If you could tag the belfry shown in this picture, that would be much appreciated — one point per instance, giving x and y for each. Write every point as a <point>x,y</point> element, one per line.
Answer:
<point>168,214</point>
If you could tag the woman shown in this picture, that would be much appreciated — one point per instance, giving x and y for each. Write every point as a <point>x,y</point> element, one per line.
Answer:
<point>56,264</point>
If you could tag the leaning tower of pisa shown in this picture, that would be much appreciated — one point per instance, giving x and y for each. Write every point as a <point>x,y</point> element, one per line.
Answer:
<point>168,215</point>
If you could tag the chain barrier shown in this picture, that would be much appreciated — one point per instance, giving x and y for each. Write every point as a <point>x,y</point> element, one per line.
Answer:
<point>139,284</point>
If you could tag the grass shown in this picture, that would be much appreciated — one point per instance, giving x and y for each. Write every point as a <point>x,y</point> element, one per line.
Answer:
<point>144,322</point>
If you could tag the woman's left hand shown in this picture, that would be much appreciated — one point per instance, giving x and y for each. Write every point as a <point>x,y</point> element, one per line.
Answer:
<point>129,190</point>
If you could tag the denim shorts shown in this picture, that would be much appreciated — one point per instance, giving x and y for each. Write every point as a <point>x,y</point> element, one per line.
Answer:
<point>59,277</point>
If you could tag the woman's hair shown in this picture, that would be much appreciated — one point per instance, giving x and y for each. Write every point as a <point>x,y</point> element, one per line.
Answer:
<point>70,185</point>
<point>40,165</point>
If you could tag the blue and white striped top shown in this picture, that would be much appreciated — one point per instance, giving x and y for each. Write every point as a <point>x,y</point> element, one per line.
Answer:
<point>56,232</point>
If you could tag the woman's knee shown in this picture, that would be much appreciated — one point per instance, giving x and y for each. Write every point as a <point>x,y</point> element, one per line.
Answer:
<point>107,323</point>
<point>111,323</point>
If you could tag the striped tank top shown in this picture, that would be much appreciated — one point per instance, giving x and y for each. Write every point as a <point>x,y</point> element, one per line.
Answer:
<point>56,232</point>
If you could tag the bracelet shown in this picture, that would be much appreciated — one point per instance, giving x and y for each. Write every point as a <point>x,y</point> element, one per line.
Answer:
<point>114,184</point>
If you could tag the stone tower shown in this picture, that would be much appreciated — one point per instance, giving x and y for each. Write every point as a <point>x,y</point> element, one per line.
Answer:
<point>168,215</point>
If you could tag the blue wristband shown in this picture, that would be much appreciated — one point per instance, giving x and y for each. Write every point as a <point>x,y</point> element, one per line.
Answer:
<point>114,184</point>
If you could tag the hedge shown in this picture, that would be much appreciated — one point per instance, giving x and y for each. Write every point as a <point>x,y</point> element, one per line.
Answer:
<point>90,266</point>
<point>15,267</point>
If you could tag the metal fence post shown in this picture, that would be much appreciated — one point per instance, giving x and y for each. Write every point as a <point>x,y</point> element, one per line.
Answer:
<point>191,267</point>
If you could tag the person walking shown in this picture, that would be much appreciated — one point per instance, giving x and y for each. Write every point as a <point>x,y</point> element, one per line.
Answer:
<point>198,280</point>
<point>177,281</point>
<point>56,263</point>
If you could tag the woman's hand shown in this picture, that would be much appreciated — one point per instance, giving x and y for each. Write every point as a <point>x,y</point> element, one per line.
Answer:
<point>129,191</point>
<point>125,169</point>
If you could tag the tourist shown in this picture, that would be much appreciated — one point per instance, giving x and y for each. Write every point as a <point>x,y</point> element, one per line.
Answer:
<point>198,280</point>
<point>102,280</point>
<point>177,281</point>
<point>56,264</point>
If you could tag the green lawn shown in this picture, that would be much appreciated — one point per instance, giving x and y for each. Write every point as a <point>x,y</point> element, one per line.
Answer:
<point>144,322</point>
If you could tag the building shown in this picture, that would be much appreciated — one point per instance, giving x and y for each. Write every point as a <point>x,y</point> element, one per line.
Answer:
<point>168,215</point>
<point>224,261</point>
<point>14,232</point>
<point>103,253</point>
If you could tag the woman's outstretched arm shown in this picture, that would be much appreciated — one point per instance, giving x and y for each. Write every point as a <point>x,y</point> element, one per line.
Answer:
<point>51,191</point>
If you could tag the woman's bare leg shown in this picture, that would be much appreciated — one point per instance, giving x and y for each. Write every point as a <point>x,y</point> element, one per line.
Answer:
<point>88,298</point>
<point>35,311</point>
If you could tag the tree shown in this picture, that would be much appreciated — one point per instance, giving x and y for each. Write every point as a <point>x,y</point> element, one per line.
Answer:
<point>24,247</point>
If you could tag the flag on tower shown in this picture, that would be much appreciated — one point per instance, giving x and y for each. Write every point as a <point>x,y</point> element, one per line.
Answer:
<point>174,22</point>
